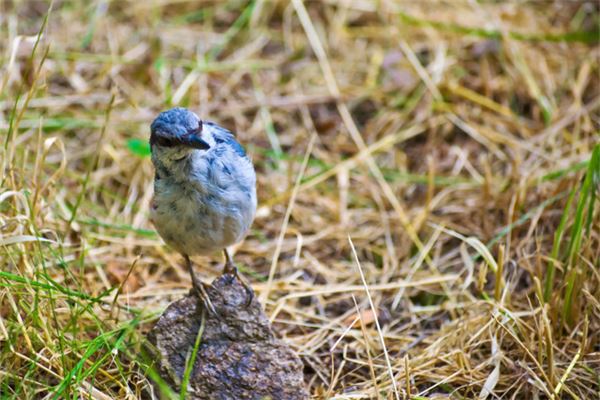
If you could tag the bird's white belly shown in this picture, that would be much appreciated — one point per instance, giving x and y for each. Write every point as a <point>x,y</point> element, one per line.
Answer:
<point>198,223</point>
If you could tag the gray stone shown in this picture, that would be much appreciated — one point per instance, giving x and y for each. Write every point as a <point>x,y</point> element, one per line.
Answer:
<point>239,356</point>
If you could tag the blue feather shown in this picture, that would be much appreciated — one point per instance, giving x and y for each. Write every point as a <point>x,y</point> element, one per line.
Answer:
<point>223,136</point>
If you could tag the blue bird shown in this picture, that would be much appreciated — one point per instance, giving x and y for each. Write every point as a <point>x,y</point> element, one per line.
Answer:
<point>204,190</point>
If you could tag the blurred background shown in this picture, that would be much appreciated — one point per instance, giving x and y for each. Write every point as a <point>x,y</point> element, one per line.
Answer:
<point>452,144</point>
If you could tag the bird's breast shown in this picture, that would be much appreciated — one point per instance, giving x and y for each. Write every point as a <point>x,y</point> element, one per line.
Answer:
<point>199,219</point>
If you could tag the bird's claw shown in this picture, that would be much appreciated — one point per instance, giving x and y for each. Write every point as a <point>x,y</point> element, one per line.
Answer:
<point>249,293</point>
<point>200,288</point>
<point>201,291</point>
<point>231,269</point>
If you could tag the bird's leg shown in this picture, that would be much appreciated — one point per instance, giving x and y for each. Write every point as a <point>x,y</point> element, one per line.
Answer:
<point>231,269</point>
<point>200,287</point>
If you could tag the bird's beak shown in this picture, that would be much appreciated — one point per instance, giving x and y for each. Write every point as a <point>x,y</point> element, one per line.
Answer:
<point>194,141</point>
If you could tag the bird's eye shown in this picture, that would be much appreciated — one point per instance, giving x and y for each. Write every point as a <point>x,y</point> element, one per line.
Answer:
<point>160,139</point>
<point>164,141</point>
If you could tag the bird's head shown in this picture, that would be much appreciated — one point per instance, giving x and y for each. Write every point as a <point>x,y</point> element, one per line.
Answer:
<point>177,132</point>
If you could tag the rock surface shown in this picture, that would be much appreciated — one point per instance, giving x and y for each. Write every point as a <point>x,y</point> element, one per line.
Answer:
<point>239,356</point>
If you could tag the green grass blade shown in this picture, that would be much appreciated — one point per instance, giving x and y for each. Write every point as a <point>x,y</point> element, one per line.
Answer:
<point>558,235</point>
<point>589,37</point>
<point>581,223</point>
<point>189,363</point>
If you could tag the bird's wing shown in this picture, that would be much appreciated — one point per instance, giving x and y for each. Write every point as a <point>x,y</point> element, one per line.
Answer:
<point>224,136</point>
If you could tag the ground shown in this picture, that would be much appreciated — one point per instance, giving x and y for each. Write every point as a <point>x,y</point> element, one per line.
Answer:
<point>428,173</point>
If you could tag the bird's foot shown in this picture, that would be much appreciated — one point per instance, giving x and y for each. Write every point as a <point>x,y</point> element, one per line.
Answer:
<point>200,287</point>
<point>231,269</point>
<point>201,291</point>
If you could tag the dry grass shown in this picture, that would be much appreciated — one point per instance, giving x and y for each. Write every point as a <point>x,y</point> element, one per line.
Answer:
<point>448,143</point>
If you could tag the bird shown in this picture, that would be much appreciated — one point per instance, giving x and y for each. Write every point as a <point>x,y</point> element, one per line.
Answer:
<point>204,190</point>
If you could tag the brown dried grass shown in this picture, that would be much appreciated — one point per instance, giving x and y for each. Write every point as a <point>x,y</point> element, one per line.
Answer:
<point>412,176</point>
